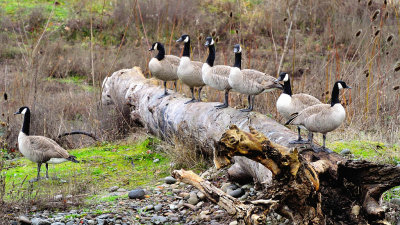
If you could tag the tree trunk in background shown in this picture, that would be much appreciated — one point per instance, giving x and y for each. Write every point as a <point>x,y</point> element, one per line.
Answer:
<point>344,185</point>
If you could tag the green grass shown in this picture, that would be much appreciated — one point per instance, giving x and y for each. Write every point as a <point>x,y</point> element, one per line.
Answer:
<point>77,80</point>
<point>369,150</point>
<point>124,165</point>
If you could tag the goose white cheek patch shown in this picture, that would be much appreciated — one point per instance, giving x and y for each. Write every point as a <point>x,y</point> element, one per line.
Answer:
<point>186,39</point>
<point>286,78</point>
<point>155,46</point>
<point>340,86</point>
<point>212,42</point>
<point>23,111</point>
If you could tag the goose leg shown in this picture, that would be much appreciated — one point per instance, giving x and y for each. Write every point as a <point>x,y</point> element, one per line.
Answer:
<point>323,148</point>
<point>176,85</point>
<point>225,105</point>
<point>250,108</point>
<point>299,139</point>
<point>165,90</point>
<point>193,99</point>
<point>38,173</point>
<point>47,171</point>
<point>200,93</point>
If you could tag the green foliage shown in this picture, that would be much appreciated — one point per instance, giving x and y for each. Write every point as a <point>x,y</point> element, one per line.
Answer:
<point>100,167</point>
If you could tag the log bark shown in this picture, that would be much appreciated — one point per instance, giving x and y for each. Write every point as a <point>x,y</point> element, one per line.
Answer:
<point>337,184</point>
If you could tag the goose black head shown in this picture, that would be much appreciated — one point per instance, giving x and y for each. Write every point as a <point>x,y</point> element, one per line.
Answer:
<point>155,46</point>
<point>209,41</point>
<point>237,48</point>
<point>185,38</point>
<point>22,110</point>
<point>283,76</point>
<point>341,84</point>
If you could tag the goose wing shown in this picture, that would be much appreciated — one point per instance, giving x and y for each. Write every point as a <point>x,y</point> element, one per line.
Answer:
<point>221,70</point>
<point>173,60</point>
<point>311,111</point>
<point>302,101</point>
<point>47,147</point>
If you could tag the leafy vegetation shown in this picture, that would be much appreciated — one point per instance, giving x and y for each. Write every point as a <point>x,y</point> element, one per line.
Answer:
<point>125,165</point>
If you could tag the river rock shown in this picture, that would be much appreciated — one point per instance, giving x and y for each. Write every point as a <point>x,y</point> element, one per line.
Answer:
<point>170,180</point>
<point>136,194</point>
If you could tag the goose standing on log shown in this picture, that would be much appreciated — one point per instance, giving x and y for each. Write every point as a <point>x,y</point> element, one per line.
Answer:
<point>322,118</point>
<point>249,81</point>
<point>287,104</point>
<point>216,76</point>
<point>189,72</point>
<point>40,149</point>
<point>164,67</point>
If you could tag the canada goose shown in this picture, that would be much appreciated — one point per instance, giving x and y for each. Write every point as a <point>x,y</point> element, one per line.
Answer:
<point>250,82</point>
<point>40,149</point>
<point>163,67</point>
<point>189,72</point>
<point>322,118</point>
<point>216,76</point>
<point>287,104</point>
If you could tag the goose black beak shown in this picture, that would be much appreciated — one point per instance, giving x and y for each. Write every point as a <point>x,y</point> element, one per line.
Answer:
<point>151,49</point>
<point>348,87</point>
<point>17,113</point>
<point>179,40</point>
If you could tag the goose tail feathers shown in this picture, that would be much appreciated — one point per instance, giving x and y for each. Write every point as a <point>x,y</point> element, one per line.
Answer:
<point>292,117</point>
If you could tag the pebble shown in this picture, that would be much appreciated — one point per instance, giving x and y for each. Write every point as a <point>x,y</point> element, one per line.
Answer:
<point>193,199</point>
<point>345,151</point>
<point>38,221</point>
<point>157,207</point>
<point>170,180</point>
<point>233,223</point>
<point>158,219</point>
<point>395,201</point>
<point>156,160</point>
<point>24,220</point>
<point>58,223</point>
<point>121,190</point>
<point>173,206</point>
<point>236,193</point>
<point>137,193</point>
<point>113,188</point>
<point>201,195</point>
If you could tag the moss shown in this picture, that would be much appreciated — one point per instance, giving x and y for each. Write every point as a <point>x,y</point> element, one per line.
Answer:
<point>100,167</point>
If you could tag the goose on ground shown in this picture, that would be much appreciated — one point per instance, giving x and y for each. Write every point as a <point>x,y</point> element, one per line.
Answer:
<point>163,67</point>
<point>216,76</point>
<point>322,118</point>
<point>189,72</point>
<point>287,104</point>
<point>249,81</point>
<point>40,149</point>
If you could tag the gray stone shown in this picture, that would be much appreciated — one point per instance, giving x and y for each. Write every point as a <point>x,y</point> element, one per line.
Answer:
<point>157,207</point>
<point>345,151</point>
<point>201,195</point>
<point>158,219</point>
<point>58,198</point>
<point>170,180</point>
<point>236,193</point>
<point>148,207</point>
<point>14,223</point>
<point>233,223</point>
<point>156,160</point>
<point>225,186</point>
<point>113,188</point>
<point>24,220</point>
<point>121,190</point>
<point>58,223</point>
<point>104,216</point>
<point>395,201</point>
<point>71,222</point>
<point>173,206</point>
<point>100,221</point>
<point>137,193</point>
<point>91,222</point>
<point>193,199</point>
<point>38,221</point>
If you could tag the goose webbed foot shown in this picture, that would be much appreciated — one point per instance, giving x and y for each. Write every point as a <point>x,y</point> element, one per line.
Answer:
<point>317,149</point>
<point>299,141</point>
<point>162,96</point>
<point>246,110</point>
<point>222,106</point>
<point>191,101</point>
<point>35,179</point>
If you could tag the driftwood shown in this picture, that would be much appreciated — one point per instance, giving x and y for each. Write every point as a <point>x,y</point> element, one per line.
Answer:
<point>306,187</point>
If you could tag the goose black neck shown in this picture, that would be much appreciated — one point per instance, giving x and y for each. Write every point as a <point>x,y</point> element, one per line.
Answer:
<point>238,60</point>
<point>335,95</point>
<point>186,49</point>
<point>287,89</point>
<point>211,55</point>
<point>161,52</point>
<point>27,121</point>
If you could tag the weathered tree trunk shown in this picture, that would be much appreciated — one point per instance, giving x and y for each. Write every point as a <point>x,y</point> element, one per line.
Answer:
<point>325,188</point>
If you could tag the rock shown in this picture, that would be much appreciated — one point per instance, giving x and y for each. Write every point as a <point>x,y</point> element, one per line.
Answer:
<point>58,198</point>
<point>14,223</point>
<point>38,221</point>
<point>137,193</point>
<point>121,190</point>
<point>355,210</point>
<point>157,207</point>
<point>100,221</point>
<point>236,193</point>
<point>233,223</point>
<point>24,220</point>
<point>158,219</point>
<point>193,199</point>
<point>395,201</point>
<point>170,180</point>
<point>104,216</point>
<point>173,206</point>
<point>201,195</point>
<point>148,207</point>
<point>156,160</point>
<point>58,223</point>
<point>71,222</point>
<point>113,188</point>
<point>225,186</point>
<point>345,151</point>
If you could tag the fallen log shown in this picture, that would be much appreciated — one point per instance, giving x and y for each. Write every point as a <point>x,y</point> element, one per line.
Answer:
<point>332,188</point>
